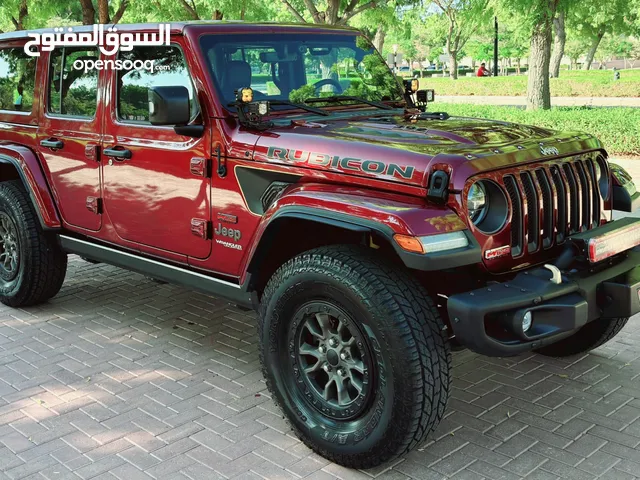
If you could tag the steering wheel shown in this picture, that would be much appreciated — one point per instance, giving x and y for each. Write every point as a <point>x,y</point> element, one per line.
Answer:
<point>327,81</point>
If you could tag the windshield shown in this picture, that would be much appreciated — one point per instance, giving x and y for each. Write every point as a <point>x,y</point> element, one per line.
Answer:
<point>299,67</point>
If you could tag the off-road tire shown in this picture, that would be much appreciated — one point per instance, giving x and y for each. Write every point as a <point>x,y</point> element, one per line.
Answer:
<point>41,265</point>
<point>399,325</point>
<point>591,336</point>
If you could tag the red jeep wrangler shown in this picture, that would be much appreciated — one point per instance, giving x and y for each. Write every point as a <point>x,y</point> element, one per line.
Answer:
<point>286,169</point>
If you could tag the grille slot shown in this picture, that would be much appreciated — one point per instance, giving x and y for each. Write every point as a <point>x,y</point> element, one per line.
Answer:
<point>561,195</point>
<point>533,211</point>
<point>547,208</point>
<point>574,207</point>
<point>560,200</point>
<point>517,234</point>
<point>585,196</point>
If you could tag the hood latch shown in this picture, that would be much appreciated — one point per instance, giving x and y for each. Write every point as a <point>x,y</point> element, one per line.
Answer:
<point>438,191</point>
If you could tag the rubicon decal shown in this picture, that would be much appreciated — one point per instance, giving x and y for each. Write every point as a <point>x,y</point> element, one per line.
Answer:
<point>348,164</point>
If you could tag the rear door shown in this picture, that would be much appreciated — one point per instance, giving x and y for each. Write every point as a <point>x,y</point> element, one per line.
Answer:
<point>69,135</point>
<point>157,193</point>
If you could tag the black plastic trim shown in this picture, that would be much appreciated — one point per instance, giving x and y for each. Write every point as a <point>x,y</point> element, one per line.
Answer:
<point>23,177</point>
<point>235,293</point>
<point>568,306</point>
<point>425,262</point>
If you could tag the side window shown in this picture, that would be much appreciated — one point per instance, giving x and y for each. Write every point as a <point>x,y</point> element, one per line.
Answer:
<point>144,67</point>
<point>17,79</point>
<point>73,90</point>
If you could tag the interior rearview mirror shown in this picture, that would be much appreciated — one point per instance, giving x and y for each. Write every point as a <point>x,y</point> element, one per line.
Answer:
<point>169,105</point>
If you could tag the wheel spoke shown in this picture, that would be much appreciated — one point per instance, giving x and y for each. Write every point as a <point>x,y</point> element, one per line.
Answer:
<point>343,395</point>
<point>325,324</point>
<point>357,384</point>
<point>327,389</point>
<point>313,368</point>
<point>306,349</point>
<point>356,365</point>
<point>314,330</point>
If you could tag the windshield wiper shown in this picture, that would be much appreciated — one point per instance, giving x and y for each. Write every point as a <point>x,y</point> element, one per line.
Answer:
<point>339,98</point>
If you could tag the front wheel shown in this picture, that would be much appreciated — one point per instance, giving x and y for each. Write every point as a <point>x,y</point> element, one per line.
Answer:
<point>354,352</point>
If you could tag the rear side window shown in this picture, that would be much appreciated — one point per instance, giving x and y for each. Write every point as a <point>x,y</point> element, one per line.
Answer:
<point>160,67</point>
<point>72,90</point>
<point>17,79</point>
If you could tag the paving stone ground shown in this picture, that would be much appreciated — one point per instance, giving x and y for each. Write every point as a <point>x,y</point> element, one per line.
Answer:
<point>119,377</point>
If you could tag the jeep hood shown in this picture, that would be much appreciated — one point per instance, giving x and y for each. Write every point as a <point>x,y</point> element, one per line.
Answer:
<point>405,148</point>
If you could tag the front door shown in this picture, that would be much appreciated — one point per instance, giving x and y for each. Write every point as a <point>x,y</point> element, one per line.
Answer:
<point>156,190</point>
<point>69,135</point>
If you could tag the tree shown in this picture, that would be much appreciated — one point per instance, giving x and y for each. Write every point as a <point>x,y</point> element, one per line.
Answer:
<point>104,16</point>
<point>560,39</point>
<point>463,17</point>
<point>16,12</point>
<point>538,15</point>
<point>335,12</point>
<point>595,18</point>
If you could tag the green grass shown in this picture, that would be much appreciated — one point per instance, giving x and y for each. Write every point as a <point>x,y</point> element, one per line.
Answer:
<point>617,128</point>
<point>592,83</point>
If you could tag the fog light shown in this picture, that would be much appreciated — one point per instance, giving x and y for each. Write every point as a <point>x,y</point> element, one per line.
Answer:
<point>527,320</point>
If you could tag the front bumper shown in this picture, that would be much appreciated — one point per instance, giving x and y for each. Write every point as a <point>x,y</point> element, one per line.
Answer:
<point>489,320</point>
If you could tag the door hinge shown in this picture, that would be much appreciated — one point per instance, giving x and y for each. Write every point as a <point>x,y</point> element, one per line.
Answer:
<point>202,228</point>
<point>201,167</point>
<point>221,162</point>
<point>94,204</point>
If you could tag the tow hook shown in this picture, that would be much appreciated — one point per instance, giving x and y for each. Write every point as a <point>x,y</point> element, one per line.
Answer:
<point>556,274</point>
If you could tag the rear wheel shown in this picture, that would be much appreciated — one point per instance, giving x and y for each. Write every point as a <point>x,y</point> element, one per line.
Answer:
<point>355,355</point>
<point>591,336</point>
<point>32,265</point>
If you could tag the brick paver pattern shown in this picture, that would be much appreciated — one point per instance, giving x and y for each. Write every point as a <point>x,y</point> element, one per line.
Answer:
<point>119,377</point>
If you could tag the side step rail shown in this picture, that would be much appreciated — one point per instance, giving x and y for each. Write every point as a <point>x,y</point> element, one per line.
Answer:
<point>153,268</point>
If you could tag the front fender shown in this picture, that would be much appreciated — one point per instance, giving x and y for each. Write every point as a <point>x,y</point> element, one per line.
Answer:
<point>368,211</point>
<point>28,167</point>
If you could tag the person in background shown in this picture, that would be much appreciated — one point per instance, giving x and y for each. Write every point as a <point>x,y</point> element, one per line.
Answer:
<point>482,71</point>
<point>17,98</point>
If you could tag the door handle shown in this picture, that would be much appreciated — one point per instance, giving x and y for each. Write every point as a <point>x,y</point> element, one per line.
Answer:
<point>119,154</point>
<point>52,143</point>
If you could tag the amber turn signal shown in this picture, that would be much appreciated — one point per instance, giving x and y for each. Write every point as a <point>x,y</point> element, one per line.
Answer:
<point>408,243</point>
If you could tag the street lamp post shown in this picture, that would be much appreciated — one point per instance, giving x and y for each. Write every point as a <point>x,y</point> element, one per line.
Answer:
<point>495,48</point>
<point>395,58</point>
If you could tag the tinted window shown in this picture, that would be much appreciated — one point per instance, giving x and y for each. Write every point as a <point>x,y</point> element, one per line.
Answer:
<point>17,78</point>
<point>72,91</point>
<point>169,69</point>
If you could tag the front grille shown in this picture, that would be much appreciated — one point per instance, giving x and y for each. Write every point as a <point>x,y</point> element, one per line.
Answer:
<point>552,202</point>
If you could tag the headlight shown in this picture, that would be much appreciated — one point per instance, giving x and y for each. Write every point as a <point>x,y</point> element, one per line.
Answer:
<point>487,206</point>
<point>477,202</point>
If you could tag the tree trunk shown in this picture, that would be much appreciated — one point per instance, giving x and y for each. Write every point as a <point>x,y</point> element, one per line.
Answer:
<point>103,11</point>
<point>592,51</point>
<point>558,44</point>
<point>453,65</point>
<point>118,15</point>
<point>538,93</point>
<point>217,15</point>
<point>23,13</point>
<point>88,12</point>
<point>378,39</point>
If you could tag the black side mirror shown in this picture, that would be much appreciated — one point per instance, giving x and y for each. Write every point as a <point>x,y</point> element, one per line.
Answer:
<point>169,105</point>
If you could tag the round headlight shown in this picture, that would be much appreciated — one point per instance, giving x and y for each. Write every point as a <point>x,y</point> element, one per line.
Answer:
<point>487,206</point>
<point>477,202</point>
